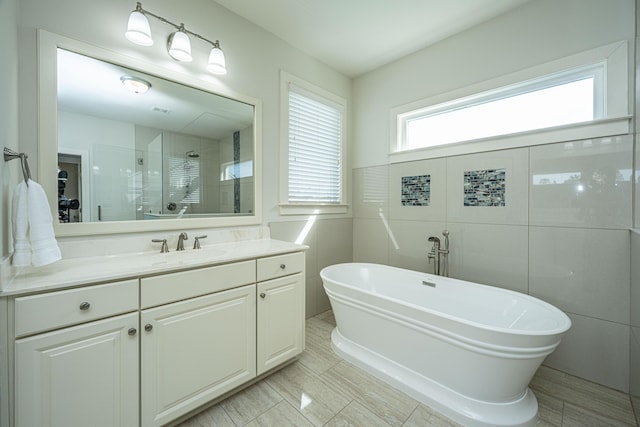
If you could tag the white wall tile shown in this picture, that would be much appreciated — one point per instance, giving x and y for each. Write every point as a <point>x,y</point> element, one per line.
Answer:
<point>634,358</point>
<point>582,271</point>
<point>322,300</point>
<point>582,183</point>
<point>515,211</point>
<point>636,219</point>
<point>310,298</point>
<point>409,247</point>
<point>635,278</point>
<point>371,240</point>
<point>494,255</point>
<point>436,211</point>
<point>370,192</point>
<point>596,350</point>
<point>334,241</point>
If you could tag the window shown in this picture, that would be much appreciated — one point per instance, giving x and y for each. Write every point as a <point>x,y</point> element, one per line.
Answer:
<point>555,100</point>
<point>580,96</point>
<point>235,170</point>
<point>314,144</point>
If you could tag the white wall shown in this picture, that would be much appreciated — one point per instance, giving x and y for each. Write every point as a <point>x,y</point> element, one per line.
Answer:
<point>254,60</point>
<point>549,242</point>
<point>8,112</point>
<point>538,32</point>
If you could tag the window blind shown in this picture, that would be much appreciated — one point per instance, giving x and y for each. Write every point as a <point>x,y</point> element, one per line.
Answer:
<point>315,147</point>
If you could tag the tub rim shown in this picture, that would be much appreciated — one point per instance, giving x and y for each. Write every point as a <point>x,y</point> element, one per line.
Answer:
<point>563,317</point>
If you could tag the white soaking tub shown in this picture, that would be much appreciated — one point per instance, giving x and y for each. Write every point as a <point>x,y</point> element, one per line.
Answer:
<point>465,349</point>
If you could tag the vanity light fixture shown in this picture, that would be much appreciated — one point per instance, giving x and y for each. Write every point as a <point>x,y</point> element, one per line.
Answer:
<point>179,43</point>
<point>135,84</point>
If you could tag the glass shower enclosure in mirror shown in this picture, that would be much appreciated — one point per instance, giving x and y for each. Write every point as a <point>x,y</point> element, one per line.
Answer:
<point>133,146</point>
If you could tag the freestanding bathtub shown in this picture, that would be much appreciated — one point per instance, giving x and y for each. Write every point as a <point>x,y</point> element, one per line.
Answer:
<point>465,349</point>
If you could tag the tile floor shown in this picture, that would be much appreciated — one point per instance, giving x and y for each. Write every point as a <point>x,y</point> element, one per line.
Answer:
<point>320,389</point>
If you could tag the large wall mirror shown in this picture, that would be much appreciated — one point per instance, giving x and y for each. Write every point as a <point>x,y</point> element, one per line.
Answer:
<point>128,146</point>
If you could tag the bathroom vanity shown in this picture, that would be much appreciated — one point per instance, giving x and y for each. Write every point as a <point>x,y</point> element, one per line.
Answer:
<point>144,339</point>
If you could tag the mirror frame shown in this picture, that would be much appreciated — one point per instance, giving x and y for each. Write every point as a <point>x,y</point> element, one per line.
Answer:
<point>48,44</point>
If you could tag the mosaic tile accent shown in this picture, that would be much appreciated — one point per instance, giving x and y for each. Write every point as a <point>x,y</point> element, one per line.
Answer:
<point>416,190</point>
<point>484,187</point>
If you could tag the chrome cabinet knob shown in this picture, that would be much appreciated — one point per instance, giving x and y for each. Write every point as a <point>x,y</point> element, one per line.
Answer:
<point>263,295</point>
<point>85,306</point>
<point>283,266</point>
<point>132,331</point>
<point>148,327</point>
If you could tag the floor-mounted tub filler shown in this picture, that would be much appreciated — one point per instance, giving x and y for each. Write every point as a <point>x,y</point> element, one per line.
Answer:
<point>465,349</point>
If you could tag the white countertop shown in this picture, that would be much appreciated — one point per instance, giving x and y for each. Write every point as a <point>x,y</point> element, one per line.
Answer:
<point>75,272</point>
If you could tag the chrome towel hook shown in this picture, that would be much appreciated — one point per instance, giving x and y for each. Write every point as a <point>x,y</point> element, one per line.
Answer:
<point>10,155</point>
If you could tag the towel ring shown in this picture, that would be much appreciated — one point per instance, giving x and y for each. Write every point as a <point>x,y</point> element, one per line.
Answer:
<point>10,155</point>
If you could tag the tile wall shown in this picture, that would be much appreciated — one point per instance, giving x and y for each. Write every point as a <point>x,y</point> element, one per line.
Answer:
<point>562,235</point>
<point>330,242</point>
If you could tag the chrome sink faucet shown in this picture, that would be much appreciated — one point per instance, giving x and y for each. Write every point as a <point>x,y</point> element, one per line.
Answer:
<point>181,238</point>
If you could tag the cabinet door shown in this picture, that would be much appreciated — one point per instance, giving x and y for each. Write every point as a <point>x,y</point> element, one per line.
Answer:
<point>280,321</point>
<point>79,376</point>
<point>196,350</point>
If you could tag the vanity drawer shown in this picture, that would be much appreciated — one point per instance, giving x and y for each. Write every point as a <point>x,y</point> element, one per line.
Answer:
<point>280,265</point>
<point>54,310</point>
<point>172,287</point>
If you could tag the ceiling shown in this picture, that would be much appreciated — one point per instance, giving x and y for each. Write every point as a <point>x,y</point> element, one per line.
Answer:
<point>357,36</point>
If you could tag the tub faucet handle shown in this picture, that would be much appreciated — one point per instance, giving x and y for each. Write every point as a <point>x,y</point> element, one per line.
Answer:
<point>165,247</point>
<point>196,243</point>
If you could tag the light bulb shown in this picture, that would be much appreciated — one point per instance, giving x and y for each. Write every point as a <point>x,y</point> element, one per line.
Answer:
<point>217,63</point>
<point>135,84</point>
<point>180,46</point>
<point>138,30</point>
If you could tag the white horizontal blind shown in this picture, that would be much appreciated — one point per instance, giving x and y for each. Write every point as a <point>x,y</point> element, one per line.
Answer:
<point>315,147</point>
<point>184,179</point>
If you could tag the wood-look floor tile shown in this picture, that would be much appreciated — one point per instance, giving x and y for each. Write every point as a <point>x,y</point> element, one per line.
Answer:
<point>423,416</point>
<point>575,416</point>
<point>356,415</point>
<point>328,317</point>
<point>635,402</point>
<point>318,354</point>
<point>393,406</point>
<point>212,417</point>
<point>249,403</point>
<point>281,415</point>
<point>549,408</point>
<point>606,402</point>
<point>306,391</point>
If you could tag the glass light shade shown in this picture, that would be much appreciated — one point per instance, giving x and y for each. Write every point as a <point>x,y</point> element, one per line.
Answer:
<point>138,30</point>
<point>217,63</point>
<point>135,84</point>
<point>180,46</point>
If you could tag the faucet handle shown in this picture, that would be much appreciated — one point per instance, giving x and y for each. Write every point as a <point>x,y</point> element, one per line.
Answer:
<point>165,247</point>
<point>196,243</point>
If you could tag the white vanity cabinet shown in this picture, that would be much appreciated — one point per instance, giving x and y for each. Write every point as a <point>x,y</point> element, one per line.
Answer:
<point>151,349</point>
<point>194,350</point>
<point>78,375</point>
<point>280,309</point>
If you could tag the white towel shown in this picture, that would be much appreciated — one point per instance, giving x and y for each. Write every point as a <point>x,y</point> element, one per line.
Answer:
<point>34,240</point>
<point>20,225</point>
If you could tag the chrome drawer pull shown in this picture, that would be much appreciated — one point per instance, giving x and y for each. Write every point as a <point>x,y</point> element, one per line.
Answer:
<point>282,266</point>
<point>85,306</point>
<point>132,331</point>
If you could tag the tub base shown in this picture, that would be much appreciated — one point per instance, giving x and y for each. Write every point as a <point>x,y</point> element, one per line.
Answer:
<point>522,412</point>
